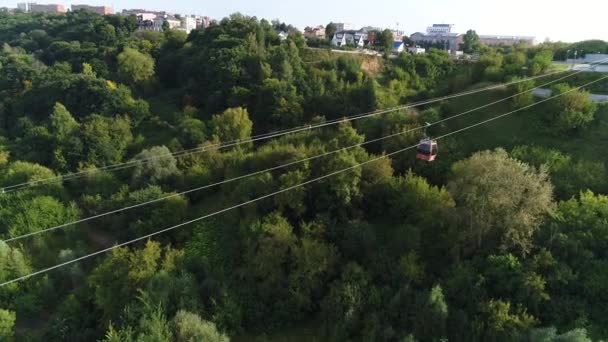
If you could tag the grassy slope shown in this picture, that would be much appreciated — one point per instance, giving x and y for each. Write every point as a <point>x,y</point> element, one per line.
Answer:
<point>522,128</point>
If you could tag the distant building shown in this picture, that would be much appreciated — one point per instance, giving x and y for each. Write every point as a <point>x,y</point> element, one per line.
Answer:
<point>102,10</point>
<point>150,15</point>
<point>492,40</point>
<point>188,23</point>
<point>172,21</point>
<point>446,41</point>
<point>398,47</point>
<point>398,34</point>
<point>351,37</point>
<point>439,29</point>
<point>283,35</point>
<point>343,26</point>
<point>203,21</point>
<point>33,7</point>
<point>416,50</point>
<point>315,32</point>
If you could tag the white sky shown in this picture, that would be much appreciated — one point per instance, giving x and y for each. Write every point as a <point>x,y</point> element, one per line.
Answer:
<point>555,19</point>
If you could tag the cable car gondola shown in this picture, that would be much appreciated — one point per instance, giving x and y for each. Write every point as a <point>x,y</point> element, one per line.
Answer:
<point>427,147</point>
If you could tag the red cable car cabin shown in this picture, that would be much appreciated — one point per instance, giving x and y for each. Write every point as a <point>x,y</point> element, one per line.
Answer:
<point>427,150</point>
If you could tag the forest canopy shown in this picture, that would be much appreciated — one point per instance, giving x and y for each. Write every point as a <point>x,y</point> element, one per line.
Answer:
<point>502,238</point>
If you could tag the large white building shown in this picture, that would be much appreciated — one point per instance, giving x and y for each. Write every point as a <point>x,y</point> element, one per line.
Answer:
<point>355,38</point>
<point>188,23</point>
<point>439,29</point>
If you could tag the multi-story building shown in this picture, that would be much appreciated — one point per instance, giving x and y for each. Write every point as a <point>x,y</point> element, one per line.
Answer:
<point>202,21</point>
<point>343,26</point>
<point>188,23</point>
<point>41,8</point>
<point>505,40</point>
<point>439,29</point>
<point>351,37</point>
<point>172,21</point>
<point>102,10</point>
<point>446,41</point>
<point>138,11</point>
<point>314,32</point>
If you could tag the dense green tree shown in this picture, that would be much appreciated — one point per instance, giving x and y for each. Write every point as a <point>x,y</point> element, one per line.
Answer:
<point>501,201</point>
<point>154,165</point>
<point>232,124</point>
<point>330,30</point>
<point>522,91</point>
<point>189,327</point>
<point>572,110</point>
<point>471,43</point>
<point>135,67</point>
<point>385,40</point>
<point>105,140</point>
<point>7,324</point>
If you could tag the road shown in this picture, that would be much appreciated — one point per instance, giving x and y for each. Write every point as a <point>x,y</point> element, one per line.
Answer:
<point>577,67</point>
<point>541,92</point>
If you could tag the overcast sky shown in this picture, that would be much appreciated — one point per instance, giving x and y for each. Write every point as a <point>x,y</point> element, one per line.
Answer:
<point>555,19</point>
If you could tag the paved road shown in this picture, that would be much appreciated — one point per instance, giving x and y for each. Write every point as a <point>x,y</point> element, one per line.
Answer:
<point>541,92</point>
<point>577,67</point>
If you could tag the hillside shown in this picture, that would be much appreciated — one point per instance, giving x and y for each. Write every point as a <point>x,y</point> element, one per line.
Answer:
<point>230,185</point>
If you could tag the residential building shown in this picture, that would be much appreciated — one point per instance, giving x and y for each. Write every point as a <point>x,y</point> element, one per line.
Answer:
<point>351,37</point>
<point>102,10</point>
<point>398,34</point>
<point>314,32</point>
<point>343,26</point>
<point>493,40</point>
<point>145,17</point>
<point>203,21</point>
<point>416,50</point>
<point>41,8</point>
<point>172,21</point>
<point>188,23</point>
<point>138,12</point>
<point>439,29</point>
<point>398,47</point>
<point>371,29</point>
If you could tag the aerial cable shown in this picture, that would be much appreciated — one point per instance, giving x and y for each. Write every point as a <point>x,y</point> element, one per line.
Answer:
<point>264,136</point>
<point>225,181</point>
<point>147,236</point>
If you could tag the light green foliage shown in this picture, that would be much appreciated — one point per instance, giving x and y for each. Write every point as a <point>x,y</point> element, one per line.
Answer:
<point>7,325</point>
<point>500,321</point>
<point>21,172</point>
<point>23,216</point>
<point>154,165</point>
<point>13,264</point>
<point>135,67</point>
<point>116,280</point>
<point>522,91</point>
<point>105,140</point>
<point>551,335</point>
<point>232,124</point>
<point>501,201</point>
<point>540,62</point>
<point>413,199</point>
<point>62,123</point>
<point>189,327</point>
<point>570,111</point>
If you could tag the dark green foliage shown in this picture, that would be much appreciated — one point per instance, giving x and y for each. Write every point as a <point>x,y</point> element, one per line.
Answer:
<point>471,247</point>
